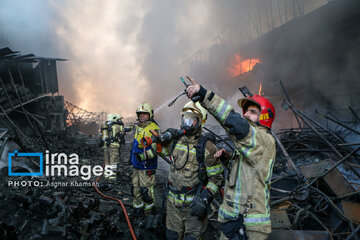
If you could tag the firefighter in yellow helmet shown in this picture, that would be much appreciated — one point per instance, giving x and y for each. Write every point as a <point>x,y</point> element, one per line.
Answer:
<point>112,133</point>
<point>144,160</point>
<point>194,178</point>
<point>245,210</point>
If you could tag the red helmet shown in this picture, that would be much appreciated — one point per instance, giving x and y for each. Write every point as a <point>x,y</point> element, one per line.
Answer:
<point>267,114</point>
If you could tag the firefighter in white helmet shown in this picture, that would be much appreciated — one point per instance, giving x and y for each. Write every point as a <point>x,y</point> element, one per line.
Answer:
<point>112,133</point>
<point>144,160</point>
<point>195,175</point>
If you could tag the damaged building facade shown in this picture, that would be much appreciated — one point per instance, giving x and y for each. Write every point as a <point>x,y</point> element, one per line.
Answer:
<point>33,114</point>
<point>303,56</point>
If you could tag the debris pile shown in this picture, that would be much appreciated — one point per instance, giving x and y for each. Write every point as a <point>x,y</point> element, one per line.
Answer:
<point>316,181</point>
<point>70,208</point>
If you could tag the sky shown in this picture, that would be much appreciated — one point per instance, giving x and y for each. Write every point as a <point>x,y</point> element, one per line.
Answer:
<point>120,53</point>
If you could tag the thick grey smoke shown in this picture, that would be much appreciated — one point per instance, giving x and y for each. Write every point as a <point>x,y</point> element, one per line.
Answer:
<point>30,27</point>
<point>120,53</point>
<point>171,33</point>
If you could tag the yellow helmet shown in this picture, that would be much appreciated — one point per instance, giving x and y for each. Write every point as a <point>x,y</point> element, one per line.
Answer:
<point>113,117</point>
<point>196,108</point>
<point>193,116</point>
<point>145,108</point>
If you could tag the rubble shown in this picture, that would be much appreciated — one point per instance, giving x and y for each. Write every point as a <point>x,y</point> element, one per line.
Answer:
<point>324,196</point>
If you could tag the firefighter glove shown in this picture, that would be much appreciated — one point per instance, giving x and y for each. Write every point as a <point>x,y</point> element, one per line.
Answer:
<point>237,125</point>
<point>174,132</point>
<point>140,157</point>
<point>234,229</point>
<point>149,154</point>
<point>199,206</point>
<point>145,195</point>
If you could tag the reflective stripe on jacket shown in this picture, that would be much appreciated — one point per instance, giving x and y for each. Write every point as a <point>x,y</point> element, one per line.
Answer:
<point>247,188</point>
<point>143,130</point>
<point>187,175</point>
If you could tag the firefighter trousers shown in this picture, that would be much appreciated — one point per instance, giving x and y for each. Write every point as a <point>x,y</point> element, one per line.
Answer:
<point>143,183</point>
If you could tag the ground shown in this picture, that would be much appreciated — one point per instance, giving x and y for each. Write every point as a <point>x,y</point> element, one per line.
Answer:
<point>70,207</point>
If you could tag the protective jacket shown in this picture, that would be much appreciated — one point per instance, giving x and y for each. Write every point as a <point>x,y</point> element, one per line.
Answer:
<point>143,130</point>
<point>184,173</point>
<point>115,133</point>
<point>248,182</point>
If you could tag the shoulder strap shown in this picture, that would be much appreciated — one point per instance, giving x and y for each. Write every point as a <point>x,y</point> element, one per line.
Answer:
<point>200,148</point>
<point>200,156</point>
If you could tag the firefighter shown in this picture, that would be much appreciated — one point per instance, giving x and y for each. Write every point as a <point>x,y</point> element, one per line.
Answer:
<point>144,160</point>
<point>194,177</point>
<point>245,210</point>
<point>111,137</point>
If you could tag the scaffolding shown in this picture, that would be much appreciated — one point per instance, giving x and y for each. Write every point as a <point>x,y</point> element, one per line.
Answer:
<point>77,114</point>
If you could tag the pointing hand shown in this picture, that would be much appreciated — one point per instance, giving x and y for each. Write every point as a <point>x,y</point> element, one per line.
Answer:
<point>192,89</point>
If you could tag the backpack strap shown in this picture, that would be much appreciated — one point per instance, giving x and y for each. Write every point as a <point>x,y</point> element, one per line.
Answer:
<point>200,155</point>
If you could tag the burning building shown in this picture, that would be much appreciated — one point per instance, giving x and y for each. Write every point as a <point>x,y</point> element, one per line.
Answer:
<point>304,56</point>
<point>311,46</point>
<point>306,52</point>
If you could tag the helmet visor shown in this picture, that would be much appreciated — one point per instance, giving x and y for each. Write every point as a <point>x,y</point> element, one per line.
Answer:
<point>190,121</point>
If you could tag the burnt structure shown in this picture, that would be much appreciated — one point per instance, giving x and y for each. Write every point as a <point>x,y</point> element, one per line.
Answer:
<point>31,110</point>
<point>315,185</point>
<point>87,122</point>
<point>315,55</point>
<point>317,58</point>
<point>312,46</point>
<point>27,102</point>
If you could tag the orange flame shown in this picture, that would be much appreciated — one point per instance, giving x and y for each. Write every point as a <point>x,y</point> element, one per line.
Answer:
<point>68,122</point>
<point>239,66</point>
<point>260,88</point>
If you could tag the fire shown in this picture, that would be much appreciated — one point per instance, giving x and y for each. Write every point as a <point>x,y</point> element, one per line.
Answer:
<point>260,88</point>
<point>239,66</point>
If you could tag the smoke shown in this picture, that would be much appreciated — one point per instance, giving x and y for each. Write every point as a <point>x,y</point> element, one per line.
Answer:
<point>120,53</point>
<point>316,59</point>
<point>30,27</point>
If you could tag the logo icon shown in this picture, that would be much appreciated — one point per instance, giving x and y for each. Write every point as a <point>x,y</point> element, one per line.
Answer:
<point>15,154</point>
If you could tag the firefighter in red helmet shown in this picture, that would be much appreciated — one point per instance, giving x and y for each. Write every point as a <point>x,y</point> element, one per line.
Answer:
<point>245,211</point>
<point>265,110</point>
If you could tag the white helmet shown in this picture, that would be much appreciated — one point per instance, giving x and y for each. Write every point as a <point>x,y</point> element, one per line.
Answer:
<point>113,117</point>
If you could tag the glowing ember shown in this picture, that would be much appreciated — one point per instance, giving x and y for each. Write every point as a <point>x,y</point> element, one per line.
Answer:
<point>260,88</point>
<point>68,122</point>
<point>239,66</point>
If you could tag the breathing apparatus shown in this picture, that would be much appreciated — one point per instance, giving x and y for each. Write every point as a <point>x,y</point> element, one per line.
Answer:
<point>104,131</point>
<point>106,128</point>
<point>193,117</point>
<point>162,137</point>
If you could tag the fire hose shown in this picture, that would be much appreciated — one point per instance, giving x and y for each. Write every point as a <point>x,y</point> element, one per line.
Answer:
<point>121,204</point>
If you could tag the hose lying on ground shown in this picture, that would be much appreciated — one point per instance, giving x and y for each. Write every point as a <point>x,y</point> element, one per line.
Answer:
<point>122,206</point>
